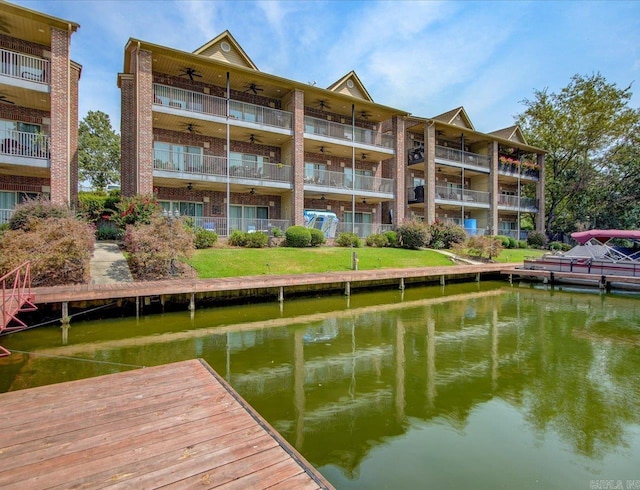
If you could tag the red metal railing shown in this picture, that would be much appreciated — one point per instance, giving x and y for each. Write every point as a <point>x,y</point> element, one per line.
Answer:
<point>16,298</point>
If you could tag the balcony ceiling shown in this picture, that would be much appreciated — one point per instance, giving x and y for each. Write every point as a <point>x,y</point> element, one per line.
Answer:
<point>23,170</point>
<point>29,25</point>
<point>22,97</point>
<point>343,151</point>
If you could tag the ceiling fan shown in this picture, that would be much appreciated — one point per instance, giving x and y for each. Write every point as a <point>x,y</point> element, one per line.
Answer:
<point>252,191</point>
<point>3,98</point>
<point>364,156</point>
<point>191,128</point>
<point>253,139</point>
<point>190,72</point>
<point>253,88</point>
<point>365,114</point>
<point>324,151</point>
<point>322,197</point>
<point>323,104</point>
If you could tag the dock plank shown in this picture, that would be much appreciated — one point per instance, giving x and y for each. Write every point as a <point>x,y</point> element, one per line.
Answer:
<point>100,433</point>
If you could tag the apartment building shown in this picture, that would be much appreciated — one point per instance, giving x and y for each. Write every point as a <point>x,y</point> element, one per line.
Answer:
<point>216,139</point>
<point>38,108</point>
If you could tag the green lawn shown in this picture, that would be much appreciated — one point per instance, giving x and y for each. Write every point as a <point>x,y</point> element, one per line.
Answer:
<point>231,262</point>
<point>518,254</point>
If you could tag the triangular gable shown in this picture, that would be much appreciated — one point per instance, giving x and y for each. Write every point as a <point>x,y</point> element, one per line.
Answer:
<point>512,133</point>
<point>456,117</point>
<point>351,85</point>
<point>226,49</point>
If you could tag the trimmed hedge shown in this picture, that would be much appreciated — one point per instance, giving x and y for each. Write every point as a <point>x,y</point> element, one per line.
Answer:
<point>205,238</point>
<point>348,239</point>
<point>298,236</point>
<point>413,235</point>
<point>317,237</point>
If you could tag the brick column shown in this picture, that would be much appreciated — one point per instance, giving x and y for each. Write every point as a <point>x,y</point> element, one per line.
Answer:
<point>297,157</point>
<point>128,136</point>
<point>494,192</point>
<point>398,172</point>
<point>144,116</point>
<point>60,117</point>
<point>73,135</point>
<point>540,219</point>
<point>430,173</point>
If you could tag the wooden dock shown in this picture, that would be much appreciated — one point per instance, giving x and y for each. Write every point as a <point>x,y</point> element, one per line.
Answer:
<point>553,277</point>
<point>178,425</point>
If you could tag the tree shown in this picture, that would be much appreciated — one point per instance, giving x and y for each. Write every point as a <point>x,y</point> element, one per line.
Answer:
<point>98,150</point>
<point>577,126</point>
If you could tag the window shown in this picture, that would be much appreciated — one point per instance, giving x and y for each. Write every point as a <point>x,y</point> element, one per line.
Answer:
<point>184,208</point>
<point>362,178</point>
<point>10,199</point>
<point>363,223</point>
<point>417,181</point>
<point>167,156</point>
<point>248,218</point>
<point>315,173</point>
<point>19,138</point>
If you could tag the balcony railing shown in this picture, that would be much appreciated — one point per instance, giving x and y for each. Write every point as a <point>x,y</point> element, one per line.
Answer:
<point>463,157</point>
<point>363,230</point>
<point>217,106</point>
<point>345,132</point>
<point>466,196</point>
<point>222,225</point>
<point>344,180</point>
<point>23,66</point>
<point>516,202</point>
<point>509,169</point>
<point>19,143</point>
<point>170,161</point>
<point>5,215</point>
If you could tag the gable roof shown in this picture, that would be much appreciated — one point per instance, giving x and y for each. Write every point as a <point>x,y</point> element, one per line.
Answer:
<point>225,48</point>
<point>350,84</point>
<point>456,117</point>
<point>512,133</point>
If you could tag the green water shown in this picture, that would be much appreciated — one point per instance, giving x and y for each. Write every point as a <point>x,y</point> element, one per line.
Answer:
<point>466,386</point>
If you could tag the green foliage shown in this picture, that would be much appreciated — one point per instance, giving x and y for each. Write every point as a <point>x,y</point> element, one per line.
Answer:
<point>513,243</point>
<point>238,238</point>
<point>98,150</point>
<point>36,210</point>
<point>392,238</point>
<point>579,126</point>
<point>348,239</point>
<point>413,235</point>
<point>536,239</point>
<point>277,232</point>
<point>445,234</point>
<point>204,238</point>
<point>377,240</point>
<point>298,236</point>
<point>522,244</point>
<point>108,231</point>
<point>559,246</point>
<point>156,249</point>
<point>317,237</point>
<point>4,227</point>
<point>96,205</point>
<point>59,250</point>
<point>258,239</point>
<point>484,247</point>
<point>504,240</point>
<point>137,210</point>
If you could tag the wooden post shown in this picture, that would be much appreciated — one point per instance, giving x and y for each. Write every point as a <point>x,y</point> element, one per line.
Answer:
<point>192,302</point>
<point>347,288</point>
<point>402,284</point>
<point>442,280</point>
<point>354,261</point>
<point>137,306</point>
<point>65,314</point>
<point>478,277</point>
<point>281,294</point>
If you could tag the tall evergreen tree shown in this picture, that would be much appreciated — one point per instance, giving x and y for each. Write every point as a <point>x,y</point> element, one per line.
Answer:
<point>98,150</point>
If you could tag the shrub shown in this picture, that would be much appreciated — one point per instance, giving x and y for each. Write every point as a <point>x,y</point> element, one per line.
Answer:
<point>445,234</point>
<point>504,240</point>
<point>277,232</point>
<point>348,239</point>
<point>522,244</point>
<point>238,238</point>
<point>59,250</point>
<point>392,238</point>
<point>298,236</point>
<point>155,250</point>
<point>560,246</point>
<point>257,239</point>
<point>36,209</point>
<point>137,210</point>
<point>536,239</point>
<point>413,235</point>
<point>377,240</point>
<point>513,243</point>
<point>108,231</point>
<point>484,246</point>
<point>317,237</point>
<point>204,238</point>
<point>4,227</point>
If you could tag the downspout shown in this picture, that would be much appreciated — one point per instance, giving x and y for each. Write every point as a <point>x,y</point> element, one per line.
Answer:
<point>137,150</point>
<point>353,168</point>
<point>228,106</point>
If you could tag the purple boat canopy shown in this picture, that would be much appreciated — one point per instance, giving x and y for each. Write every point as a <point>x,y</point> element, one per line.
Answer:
<point>603,236</point>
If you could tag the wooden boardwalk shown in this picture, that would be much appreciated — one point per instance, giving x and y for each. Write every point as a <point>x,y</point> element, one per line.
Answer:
<point>552,277</point>
<point>178,425</point>
<point>90,292</point>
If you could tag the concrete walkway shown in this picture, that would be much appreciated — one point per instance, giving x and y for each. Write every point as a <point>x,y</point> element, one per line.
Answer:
<point>108,265</point>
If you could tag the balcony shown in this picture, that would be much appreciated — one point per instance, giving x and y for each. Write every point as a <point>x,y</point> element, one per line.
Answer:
<point>467,197</point>
<point>415,155</point>
<point>20,148</point>
<point>24,67</point>
<point>515,169</point>
<point>463,157</point>
<point>363,230</point>
<point>223,226</point>
<point>343,180</point>
<point>199,103</point>
<point>5,215</point>
<point>517,203</point>
<point>345,132</point>
<point>208,165</point>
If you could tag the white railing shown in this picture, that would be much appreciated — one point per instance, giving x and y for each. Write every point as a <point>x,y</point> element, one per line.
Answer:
<point>217,106</point>
<point>344,180</point>
<point>32,145</point>
<point>363,230</point>
<point>464,195</point>
<point>345,132</point>
<point>463,157</point>
<point>516,202</point>
<point>5,215</point>
<point>515,170</point>
<point>23,66</point>
<point>518,235</point>
<point>220,224</point>
<point>169,161</point>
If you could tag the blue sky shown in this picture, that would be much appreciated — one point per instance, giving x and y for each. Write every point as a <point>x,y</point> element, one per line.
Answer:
<point>424,57</point>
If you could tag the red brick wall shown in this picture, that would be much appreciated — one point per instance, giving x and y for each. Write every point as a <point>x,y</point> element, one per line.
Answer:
<point>26,47</point>
<point>297,158</point>
<point>60,123</point>
<point>24,114</point>
<point>144,96</point>
<point>22,183</point>
<point>128,165</point>
<point>73,135</point>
